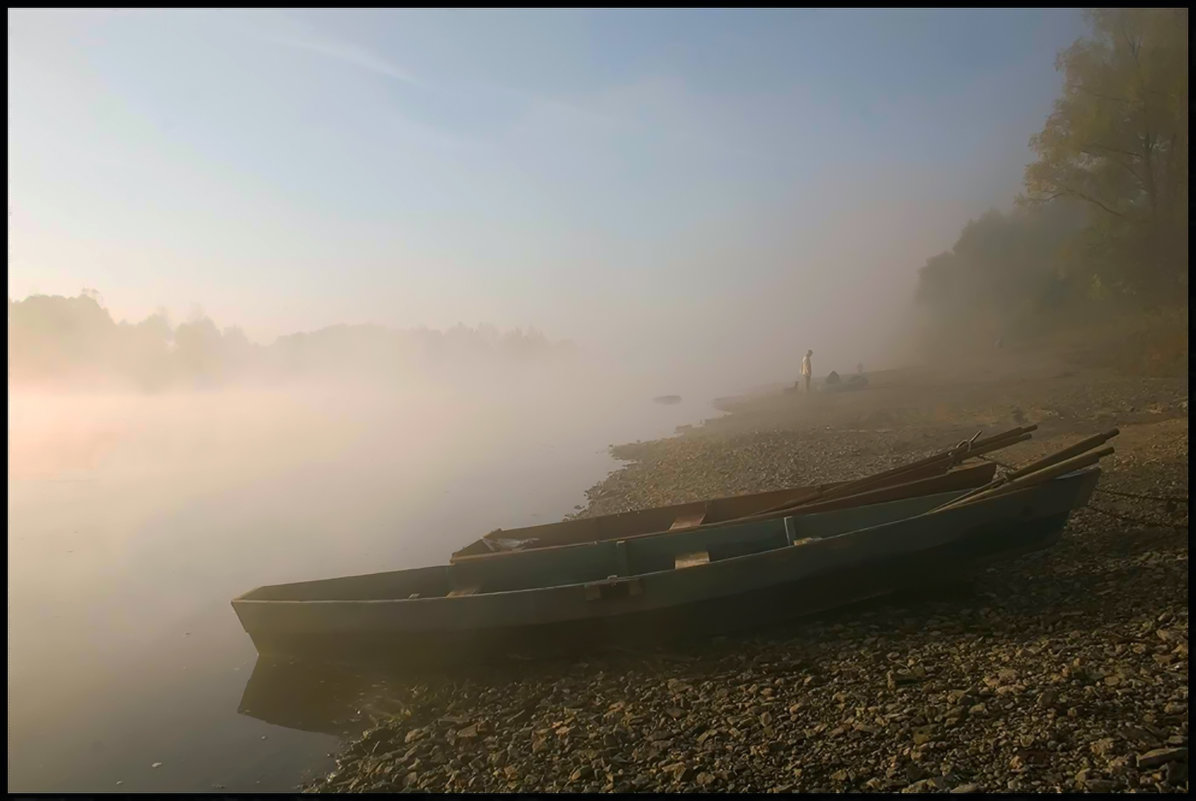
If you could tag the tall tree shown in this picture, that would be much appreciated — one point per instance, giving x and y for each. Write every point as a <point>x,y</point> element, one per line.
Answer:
<point>1118,141</point>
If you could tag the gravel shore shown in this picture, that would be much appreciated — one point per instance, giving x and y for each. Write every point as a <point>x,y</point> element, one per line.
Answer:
<point>1066,670</point>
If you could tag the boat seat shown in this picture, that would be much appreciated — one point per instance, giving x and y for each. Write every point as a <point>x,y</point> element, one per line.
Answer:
<point>691,559</point>
<point>691,520</point>
<point>458,592</point>
<point>622,559</point>
<point>791,533</point>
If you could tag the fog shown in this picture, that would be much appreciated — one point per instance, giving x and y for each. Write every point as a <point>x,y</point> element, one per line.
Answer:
<point>640,204</point>
<point>329,445</point>
<point>158,468</point>
<point>135,517</point>
<point>694,231</point>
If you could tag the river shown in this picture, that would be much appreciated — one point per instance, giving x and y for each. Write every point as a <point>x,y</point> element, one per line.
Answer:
<point>134,520</point>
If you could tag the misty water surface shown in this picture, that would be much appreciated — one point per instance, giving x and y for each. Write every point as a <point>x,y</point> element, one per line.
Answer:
<point>134,520</point>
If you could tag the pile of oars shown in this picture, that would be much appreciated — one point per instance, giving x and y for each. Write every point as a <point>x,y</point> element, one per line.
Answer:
<point>1062,462</point>
<point>934,465</point>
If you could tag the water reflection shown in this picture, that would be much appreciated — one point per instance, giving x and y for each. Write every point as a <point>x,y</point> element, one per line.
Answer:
<point>315,697</point>
<point>345,699</point>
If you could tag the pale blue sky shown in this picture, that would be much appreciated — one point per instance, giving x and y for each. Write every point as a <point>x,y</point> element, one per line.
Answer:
<point>673,185</point>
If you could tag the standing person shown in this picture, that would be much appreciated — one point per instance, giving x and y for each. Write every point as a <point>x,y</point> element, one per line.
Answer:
<point>806,370</point>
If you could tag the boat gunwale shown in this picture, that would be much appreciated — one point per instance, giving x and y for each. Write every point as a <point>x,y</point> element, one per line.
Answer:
<point>459,557</point>
<point>574,546</point>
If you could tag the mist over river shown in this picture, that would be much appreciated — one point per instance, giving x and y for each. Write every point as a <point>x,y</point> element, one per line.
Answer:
<point>134,519</point>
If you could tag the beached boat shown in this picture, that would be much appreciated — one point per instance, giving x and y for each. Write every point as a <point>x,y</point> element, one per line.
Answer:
<point>954,468</point>
<point>704,514</point>
<point>745,574</point>
<point>690,527</point>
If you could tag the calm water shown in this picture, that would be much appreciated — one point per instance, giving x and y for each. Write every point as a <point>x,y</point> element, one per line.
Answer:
<point>134,521</point>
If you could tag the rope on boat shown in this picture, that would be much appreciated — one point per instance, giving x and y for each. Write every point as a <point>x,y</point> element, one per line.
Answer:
<point>965,446</point>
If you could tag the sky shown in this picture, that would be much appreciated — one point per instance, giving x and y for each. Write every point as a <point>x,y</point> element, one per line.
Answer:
<point>713,190</point>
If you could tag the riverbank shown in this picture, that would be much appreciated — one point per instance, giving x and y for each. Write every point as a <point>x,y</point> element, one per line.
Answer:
<point>1066,670</point>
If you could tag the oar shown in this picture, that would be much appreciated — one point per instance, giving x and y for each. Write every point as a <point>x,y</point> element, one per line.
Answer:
<point>1058,456</point>
<point>939,462</point>
<point>883,494</point>
<point>932,465</point>
<point>947,458</point>
<point>1037,477</point>
<point>1075,450</point>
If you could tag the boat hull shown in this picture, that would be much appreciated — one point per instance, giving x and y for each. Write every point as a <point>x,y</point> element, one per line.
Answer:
<point>755,609</point>
<point>722,596</point>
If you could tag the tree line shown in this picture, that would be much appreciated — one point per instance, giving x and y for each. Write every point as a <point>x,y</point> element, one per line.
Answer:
<point>60,341</point>
<point>1102,220</point>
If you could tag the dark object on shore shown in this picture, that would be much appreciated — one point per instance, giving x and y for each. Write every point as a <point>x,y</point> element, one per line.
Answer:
<point>832,379</point>
<point>839,385</point>
<point>670,584</point>
<point>667,400</point>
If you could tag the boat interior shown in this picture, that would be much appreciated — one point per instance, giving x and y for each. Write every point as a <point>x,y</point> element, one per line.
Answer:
<point>688,516</point>
<point>663,518</point>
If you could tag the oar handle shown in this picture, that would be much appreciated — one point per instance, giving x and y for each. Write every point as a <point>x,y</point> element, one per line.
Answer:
<point>1066,453</point>
<point>1034,467</point>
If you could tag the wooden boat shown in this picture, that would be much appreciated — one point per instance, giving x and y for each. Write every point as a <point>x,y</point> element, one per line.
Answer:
<point>950,469</point>
<point>755,572</point>
<point>699,514</point>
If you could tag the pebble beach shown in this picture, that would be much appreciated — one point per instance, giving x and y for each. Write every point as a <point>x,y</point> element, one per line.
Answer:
<point>1064,670</point>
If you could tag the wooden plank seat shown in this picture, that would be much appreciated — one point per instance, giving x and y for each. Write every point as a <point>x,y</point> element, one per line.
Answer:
<point>688,520</point>
<point>692,559</point>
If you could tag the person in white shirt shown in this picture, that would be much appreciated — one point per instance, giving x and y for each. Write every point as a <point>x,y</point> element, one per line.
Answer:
<point>806,370</point>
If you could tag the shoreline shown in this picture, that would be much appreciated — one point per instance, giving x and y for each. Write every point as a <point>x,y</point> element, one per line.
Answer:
<point>1064,670</point>
<point>837,437</point>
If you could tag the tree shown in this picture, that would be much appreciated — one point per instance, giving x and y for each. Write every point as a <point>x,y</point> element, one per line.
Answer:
<point>1117,140</point>
<point>198,350</point>
<point>1003,272</point>
<point>50,336</point>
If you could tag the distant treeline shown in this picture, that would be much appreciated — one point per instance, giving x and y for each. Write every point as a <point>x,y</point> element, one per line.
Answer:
<point>59,341</point>
<point>1103,220</point>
